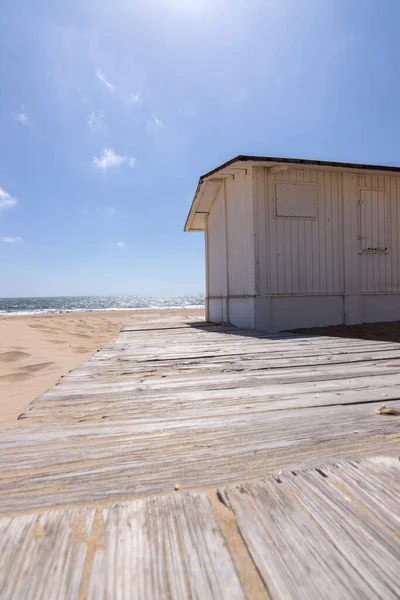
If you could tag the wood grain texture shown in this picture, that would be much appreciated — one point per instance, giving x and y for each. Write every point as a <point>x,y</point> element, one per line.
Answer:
<point>178,405</point>
<point>325,532</point>
<point>199,405</point>
<point>164,547</point>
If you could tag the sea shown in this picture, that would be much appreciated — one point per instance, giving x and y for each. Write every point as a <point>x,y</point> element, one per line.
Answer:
<point>69,304</point>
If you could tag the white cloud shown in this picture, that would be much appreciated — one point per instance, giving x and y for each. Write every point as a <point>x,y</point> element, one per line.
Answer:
<point>22,117</point>
<point>111,159</point>
<point>96,122</point>
<point>6,200</point>
<point>156,123</point>
<point>120,245</point>
<point>135,99</point>
<point>11,240</point>
<point>100,76</point>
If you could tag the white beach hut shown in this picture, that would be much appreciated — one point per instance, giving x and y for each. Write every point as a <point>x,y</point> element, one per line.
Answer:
<point>299,243</point>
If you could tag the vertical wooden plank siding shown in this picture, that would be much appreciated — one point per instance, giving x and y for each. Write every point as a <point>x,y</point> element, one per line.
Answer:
<point>240,228</point>
<point>260,223</point>
<point>306,255</point>
<point>377,202</point>
<point>217,260</point>
<point>216,247</point>
<point>394,232</point>
<point>350,231</point>
<point>341,242</point>
<point>207,258</point>
<point>354,213</point>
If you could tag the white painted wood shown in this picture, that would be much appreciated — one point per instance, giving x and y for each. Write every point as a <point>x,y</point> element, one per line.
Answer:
<point>207,259</point>
<point>374,220</point>
<point>295,199</point>
<point>375,243</point>
<point>231,261</point>
<point>291,312</point>
<point>240,232</point>
<point>306,258</point>
<point>241,312</point>
<point>278,168</point>
<point>262,263</point>
<point>303,232</point>
<point>216,267</point>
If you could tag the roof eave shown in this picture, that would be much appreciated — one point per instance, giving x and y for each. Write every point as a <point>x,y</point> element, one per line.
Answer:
<point>192,210</point>
<point>202,180</point>
<point>260,160</point>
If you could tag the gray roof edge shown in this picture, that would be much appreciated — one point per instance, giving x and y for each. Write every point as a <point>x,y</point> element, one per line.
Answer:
<point>301,161</point>
<point>295,161</point>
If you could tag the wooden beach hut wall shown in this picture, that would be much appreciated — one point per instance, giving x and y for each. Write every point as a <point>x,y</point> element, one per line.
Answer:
<point>299,243</point>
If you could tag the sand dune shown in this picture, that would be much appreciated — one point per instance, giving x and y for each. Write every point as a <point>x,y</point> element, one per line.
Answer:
<point>36,351</point>
<point>13,356</point>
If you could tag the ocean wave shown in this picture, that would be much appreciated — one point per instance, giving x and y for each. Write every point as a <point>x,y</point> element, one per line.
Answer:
<point>65,305</point>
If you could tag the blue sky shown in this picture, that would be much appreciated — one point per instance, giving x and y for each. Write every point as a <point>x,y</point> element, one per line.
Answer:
<point>110,111</point>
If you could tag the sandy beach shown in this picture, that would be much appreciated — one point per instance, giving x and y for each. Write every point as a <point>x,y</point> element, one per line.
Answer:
<point>35,351</point>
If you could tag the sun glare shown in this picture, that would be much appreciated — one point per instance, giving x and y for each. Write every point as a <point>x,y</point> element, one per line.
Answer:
<point>193,7</point>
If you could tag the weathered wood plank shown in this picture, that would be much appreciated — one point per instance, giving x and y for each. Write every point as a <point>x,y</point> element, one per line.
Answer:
<point>43,556</point>
<point>267,373</point>
<point>111,408</point>
<point>375,483</point>
<point>171,383</point>
<point>309,537</point>
<point>134,424</point>
<point>154,548</point>
<point>200,405</point>
<point>47,466</point>
<point>250,362</point>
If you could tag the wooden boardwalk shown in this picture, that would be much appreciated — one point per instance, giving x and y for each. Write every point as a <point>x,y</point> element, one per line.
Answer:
<point>288,478</point>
